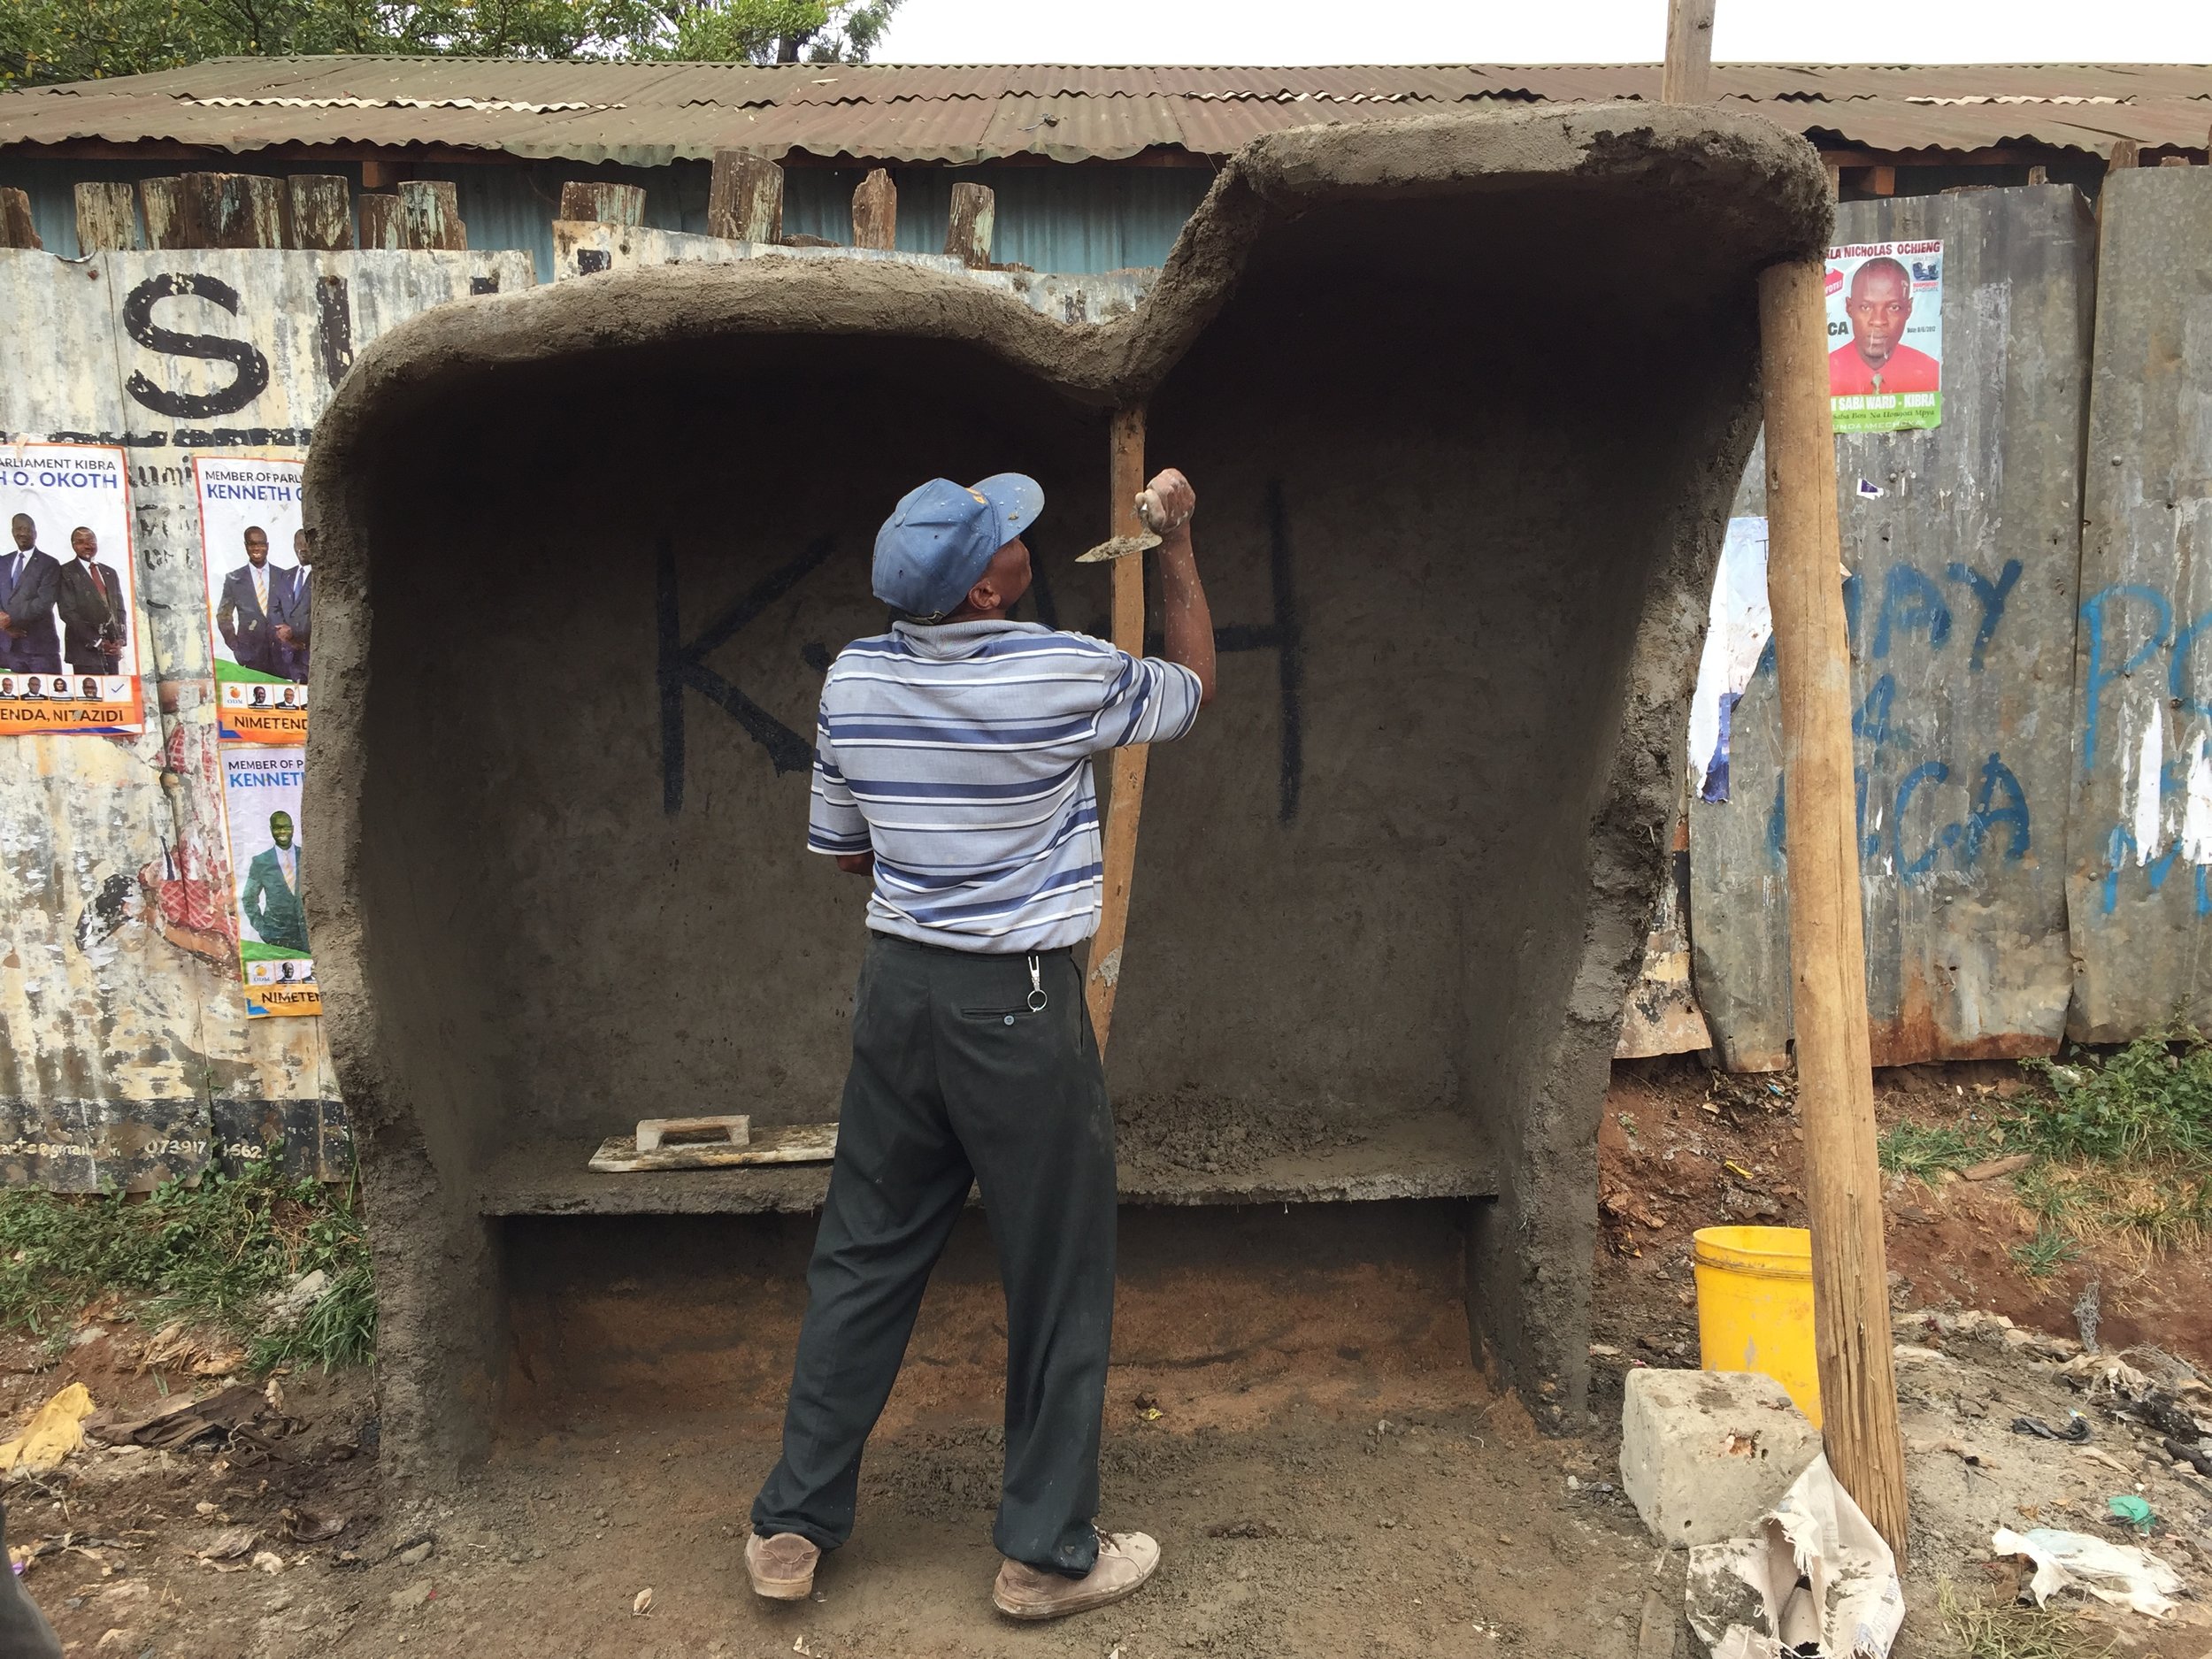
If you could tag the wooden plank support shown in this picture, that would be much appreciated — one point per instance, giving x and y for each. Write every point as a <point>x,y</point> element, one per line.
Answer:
<point>2125,153</point>
<point>602,203</point>
<point>16,228</point>
<point>968,227</point>
<point>1835,1071</point>
<point>745,198</point>
<point>1881,181</point>
<point>107,219</point>
<point>1686,76</point>
<point>381,226</point>
<point>1124,482</point>
<point>214,209</point>
<point>430,216</point>
<point>876,211</point>
<point>163,202</point>
<point>322,212</point>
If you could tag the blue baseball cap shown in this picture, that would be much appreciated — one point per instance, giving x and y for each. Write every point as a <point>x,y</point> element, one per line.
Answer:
<point>941,536</point>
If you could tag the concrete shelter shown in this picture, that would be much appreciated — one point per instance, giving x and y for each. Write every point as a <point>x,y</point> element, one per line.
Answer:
<point>1465,396</point>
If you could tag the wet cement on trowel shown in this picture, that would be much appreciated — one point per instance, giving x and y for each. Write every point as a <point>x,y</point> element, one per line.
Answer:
<point>1465,399</point>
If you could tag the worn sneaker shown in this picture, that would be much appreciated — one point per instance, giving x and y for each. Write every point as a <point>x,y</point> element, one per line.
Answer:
<point>1125,1560</point>
<point>783,1567</point>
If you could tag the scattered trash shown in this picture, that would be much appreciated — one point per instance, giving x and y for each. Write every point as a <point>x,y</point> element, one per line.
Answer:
<point>273,1396</point>
<point>2106,1374</point>
<point>2192,1456</point>
<point>1868,490</point>
<point>643,1603</point>
<point>54,1431</point>
<point>179,1420</point>
<point>1816,1572</point>
<point>268,1561</point>
<point>2077,1429</point>
<point>2119,1573</point>
<point>229,1544</point>
<point>291,1304</point>
<point>311,1527</point>
<point>2127,1506</point>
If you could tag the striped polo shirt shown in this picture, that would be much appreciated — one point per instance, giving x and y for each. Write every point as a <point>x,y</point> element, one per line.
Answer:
<point>960,753</point>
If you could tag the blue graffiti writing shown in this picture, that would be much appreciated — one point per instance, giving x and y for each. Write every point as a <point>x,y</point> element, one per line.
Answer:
<point>1990,596</point>
<point>2099,615</point>
<point>1910,600</point>
<point>2119,844</point>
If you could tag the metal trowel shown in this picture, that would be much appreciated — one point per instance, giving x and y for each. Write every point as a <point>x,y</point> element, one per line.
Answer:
<point>1158,522</point>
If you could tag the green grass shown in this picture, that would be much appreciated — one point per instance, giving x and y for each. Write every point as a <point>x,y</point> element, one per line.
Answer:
<point>210,1253</point>
<point>2122,1142</point>
<point>2045,1253</point>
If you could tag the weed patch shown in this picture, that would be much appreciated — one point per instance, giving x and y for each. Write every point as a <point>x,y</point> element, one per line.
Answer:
<point>211,1253</point>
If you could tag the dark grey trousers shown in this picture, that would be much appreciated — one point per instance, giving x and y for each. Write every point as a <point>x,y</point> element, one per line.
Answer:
<point>955,1077</point>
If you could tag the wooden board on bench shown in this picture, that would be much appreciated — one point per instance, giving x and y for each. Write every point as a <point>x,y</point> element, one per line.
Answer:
<point>790,1143</point>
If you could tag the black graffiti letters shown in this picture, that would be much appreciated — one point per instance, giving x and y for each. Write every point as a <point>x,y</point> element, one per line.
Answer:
<point>138,322</point>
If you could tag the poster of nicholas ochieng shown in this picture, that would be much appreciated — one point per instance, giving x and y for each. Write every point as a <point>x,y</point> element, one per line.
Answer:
<point>261,801</point>
<point>1886,336</point>
<point>259,605</point>
<point>69,649</point>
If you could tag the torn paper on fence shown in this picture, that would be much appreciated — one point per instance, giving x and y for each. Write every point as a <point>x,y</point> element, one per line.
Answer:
<point>1814,1578</point>
<point>2119,1573</point>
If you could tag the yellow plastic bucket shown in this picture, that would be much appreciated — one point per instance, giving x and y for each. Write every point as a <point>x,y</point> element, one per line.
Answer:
<point>1754,1307</point>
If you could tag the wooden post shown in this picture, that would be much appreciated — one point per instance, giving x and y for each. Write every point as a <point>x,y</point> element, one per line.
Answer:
<point>322,212</point>
<point>876,211</point>
<point>1124,479</point>
<point>968,229</point>
<point>2125,153</point>
<point>1835,1071</point>
<point>16,228</point>
<point>107,219</point>
<point>1686,76</point>
<point>430,216</point>
<point>162,200</point>
<point>380,225</point>
<point>745,198</point>
<point>1881,181</point>
<point>602,203</point>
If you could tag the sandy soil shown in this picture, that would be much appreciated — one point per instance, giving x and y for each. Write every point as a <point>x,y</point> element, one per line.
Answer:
<point>1315,1496</point>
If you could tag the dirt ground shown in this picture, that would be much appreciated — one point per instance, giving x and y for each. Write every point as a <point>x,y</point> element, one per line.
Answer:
<point>1336,1480</point>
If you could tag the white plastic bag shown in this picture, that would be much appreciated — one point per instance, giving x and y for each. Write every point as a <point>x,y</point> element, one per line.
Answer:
<point>2119,1573</point>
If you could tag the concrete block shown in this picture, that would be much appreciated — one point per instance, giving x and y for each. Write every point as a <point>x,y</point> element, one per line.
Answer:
<point>1704,1453</point>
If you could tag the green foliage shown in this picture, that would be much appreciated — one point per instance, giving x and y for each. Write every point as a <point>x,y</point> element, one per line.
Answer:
<point>42,42</point>
<point>2150,1101</point>
<point>1925,1150</point>
<point>210,1254</point>
<point>2045,1253</point>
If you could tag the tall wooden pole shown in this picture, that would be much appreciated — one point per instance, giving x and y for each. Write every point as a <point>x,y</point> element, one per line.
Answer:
<point>1686,75</point>
<point>1124,479</point>
<point>1835,1071</point>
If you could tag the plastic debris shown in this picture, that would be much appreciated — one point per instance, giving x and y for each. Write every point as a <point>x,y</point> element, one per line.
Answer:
<point>2077,1429</point>
<point>643,1603</point>
<point>53,1432</point>
<point>1815,1578</point>
<point>2130,1508</point>
<point>2122,1574</point>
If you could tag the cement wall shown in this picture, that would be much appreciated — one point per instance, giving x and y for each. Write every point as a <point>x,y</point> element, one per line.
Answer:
<point>1397,880</point>
<point>1962,543</point>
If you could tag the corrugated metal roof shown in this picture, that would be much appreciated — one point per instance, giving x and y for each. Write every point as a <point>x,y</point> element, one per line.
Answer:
<point>650,114</point>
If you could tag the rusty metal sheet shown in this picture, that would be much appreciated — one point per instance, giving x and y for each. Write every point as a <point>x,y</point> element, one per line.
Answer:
<point>1962,545</point>
<point>651,114</point>
<point>126,1054</point>
<point>2140,835</point>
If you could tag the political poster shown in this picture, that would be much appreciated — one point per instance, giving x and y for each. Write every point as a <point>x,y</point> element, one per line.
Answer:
<point>261,805</point>
<point>69,647</point>
<point>1886,336</point>
<point>258,598</point>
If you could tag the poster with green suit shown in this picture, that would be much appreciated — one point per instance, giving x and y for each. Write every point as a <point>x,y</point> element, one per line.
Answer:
<point>261,799</point>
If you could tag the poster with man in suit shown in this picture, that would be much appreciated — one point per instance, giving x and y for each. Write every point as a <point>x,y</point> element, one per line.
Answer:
<point>261,805</point>
<point>68,590</point>
<point>258,602</point>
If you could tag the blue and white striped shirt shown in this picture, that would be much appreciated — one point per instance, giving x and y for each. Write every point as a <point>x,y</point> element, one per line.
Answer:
<point>961,755</point>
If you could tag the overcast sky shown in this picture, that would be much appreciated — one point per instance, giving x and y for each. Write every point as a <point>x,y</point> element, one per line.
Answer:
<point>1562,31</point>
